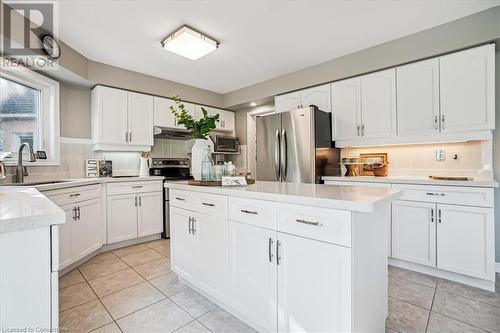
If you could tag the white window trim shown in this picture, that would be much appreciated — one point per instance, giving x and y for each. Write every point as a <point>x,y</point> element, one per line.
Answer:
<point>50,121</point>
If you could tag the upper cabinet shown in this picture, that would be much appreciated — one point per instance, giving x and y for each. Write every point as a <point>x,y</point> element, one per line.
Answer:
<point>467,84</point>
<point>449,98</point>
<point>364,107</point>
<point>318,96</point>
<point>121,120</point>
<point>418,98</point>
<point>163,116</point>
<point>226,121</point>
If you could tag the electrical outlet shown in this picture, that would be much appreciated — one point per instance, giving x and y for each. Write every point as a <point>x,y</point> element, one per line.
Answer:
<point>440,155</point>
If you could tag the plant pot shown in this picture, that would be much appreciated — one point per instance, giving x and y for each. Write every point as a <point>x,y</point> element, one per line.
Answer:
<point>197,154</point>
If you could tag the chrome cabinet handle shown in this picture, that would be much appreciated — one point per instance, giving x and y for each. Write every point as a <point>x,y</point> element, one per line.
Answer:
<point>308,222</point>
<point>432,215</point>
<point>436,194</point>
<point>208,204</point>
<point>358,127</point>
<point>193,228</point>
<point>136,201</point>
<point>180,199</point>
<point>126,136</point>
<point>442,121</point>
<point>129,136</point>
<point>249,212</point>
<point>189,225</point>
<point>436,125</point>
<point>284,155</point>
<point>74,195</point>
<point>270,249</point>
<point>439,215</point>
<point>363,130</point>
<point>278,254</point>
<point>140,201</point>
<point>277,145</point>
<point>74,213</point>
<point>138,186</point>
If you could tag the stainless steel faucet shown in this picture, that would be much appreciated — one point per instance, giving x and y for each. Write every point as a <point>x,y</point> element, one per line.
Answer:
<point>20,170</point>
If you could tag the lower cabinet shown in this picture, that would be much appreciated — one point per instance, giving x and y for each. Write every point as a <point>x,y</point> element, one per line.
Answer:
<point>183,243</point>
<point>455,238</point>
<point>134,215</point>
<point>313,297</point>
<point>253,289</point>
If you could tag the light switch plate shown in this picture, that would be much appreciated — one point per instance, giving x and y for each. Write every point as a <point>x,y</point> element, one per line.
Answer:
<point>440,155</point>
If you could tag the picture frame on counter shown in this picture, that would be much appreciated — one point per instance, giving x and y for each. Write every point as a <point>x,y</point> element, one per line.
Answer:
<point>368,159</point>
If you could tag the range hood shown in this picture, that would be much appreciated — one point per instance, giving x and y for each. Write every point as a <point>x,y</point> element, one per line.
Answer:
<point>172,134</point>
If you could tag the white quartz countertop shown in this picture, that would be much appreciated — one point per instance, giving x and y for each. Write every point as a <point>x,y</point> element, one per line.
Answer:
<point>353,198</point>
<point>414,180</point>
<point>26,208</point>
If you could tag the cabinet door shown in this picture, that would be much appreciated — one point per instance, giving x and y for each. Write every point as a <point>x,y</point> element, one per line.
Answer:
<point>183,244</point>
<point>150,214</point>
<point>378,104</point>
<point>65,235</point>
<point>414,232</point>
<point>287,102</point>
<point>140,119</point>
<point>86,231</point>
<point>227,122</point>
<point>346,109</point>
<point>319,96</point>
<point>312,297</point>
<point>113,111</point>
<point>212,255</point>
<point>163,117</point>
<point>418,98</point>
<point>252,276</point>
<point>465,240</point>
<point>122,217</point>
<point>467,84</point>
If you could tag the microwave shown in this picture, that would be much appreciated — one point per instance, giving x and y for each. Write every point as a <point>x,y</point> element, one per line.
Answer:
<point>226,144</point>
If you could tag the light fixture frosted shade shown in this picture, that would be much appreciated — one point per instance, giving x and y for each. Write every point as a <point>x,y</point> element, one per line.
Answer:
<point>189,43</point>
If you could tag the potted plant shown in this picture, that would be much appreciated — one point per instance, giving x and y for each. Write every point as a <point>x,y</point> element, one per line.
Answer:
<point>199,129</point>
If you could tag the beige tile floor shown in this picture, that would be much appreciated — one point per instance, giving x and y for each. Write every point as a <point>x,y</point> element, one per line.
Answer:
<point>133,290</point>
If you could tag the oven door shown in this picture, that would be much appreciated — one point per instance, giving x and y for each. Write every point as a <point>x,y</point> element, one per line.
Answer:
<point>227,144</point>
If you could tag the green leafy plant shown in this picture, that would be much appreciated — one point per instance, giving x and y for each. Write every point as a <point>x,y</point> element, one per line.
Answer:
<point>200,128</point>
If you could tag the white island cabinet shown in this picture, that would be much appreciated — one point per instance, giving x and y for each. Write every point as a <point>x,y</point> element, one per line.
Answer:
<point>286,257</point>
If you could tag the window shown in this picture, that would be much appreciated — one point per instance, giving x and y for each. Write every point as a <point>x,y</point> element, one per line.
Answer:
<point>29,112</point>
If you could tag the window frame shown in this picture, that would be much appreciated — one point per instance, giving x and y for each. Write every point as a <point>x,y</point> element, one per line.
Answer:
<point>49,119</point>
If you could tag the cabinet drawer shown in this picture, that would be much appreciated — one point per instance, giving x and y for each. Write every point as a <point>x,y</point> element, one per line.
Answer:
<point>134,187</point>
<point>328,225</point>
<point>182,199</point>
<point>356,183</point>
<point>255,212</point>
<point>468,196</point>
<point>74,194</point>
<point>210,204</point>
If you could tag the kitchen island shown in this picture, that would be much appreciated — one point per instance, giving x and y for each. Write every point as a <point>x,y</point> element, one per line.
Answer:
<point>286,257</point>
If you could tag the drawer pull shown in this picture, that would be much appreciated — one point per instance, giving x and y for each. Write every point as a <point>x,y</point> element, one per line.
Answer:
<point>74,195</point>
<point>138,186</point>
<point>270,249</point>
<point>249,212</point>
<point>180,199</point>
<point>207,204</point>
<point>437,194</point>
<point>309,222</point>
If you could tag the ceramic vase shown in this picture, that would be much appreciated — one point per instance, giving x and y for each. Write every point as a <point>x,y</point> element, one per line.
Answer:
<point>197,154</point>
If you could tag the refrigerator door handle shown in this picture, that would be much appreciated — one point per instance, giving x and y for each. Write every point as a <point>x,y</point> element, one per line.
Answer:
<point>284,155</point>
<point>277,144</point>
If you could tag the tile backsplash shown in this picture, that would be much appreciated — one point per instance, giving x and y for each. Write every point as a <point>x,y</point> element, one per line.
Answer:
<point>474,158</point>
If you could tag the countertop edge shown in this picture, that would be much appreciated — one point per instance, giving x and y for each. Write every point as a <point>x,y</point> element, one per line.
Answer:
<point>415,181</point>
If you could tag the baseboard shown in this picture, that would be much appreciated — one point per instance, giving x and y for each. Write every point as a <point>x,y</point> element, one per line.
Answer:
<point>497,267</point>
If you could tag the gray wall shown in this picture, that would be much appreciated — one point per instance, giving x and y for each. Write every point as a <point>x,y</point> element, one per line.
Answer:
<point>75,111</point>
<point>472,30</point>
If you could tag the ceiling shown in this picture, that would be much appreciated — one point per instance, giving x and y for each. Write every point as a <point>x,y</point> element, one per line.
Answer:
<point>260,40</point>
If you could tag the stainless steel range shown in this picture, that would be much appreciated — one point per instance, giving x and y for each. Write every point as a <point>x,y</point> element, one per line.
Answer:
<point>172,169</point>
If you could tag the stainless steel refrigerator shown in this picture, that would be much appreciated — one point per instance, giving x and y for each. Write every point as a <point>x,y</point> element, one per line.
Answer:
<point>296,146</point>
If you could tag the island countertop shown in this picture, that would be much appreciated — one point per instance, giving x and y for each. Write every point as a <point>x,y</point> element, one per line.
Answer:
<point>353,198</point>
<point>26,208</point>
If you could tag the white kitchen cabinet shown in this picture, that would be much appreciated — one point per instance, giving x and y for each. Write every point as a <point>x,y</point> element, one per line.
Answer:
<point>122,217</point>
<point>183,244</point>
<point>163,116</point>
<point>313,297</point>
<point>211,233</point>
<point>418,98</point>
<point>346,109</point>
<point>318,96</point>
<point>149,213</point>
<point>378,104</point>
<point>467,90</point>
<point>65,237</point>
<point>86,228</point>
<point>140,119</point>
<point>465,240</point>
<point>121,120</point>
<point>253,274</point>
<point>414,231</point>
<point>226,121</point>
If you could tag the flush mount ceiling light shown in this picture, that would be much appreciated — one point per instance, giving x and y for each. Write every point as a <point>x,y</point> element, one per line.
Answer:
<point>189,43</point>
